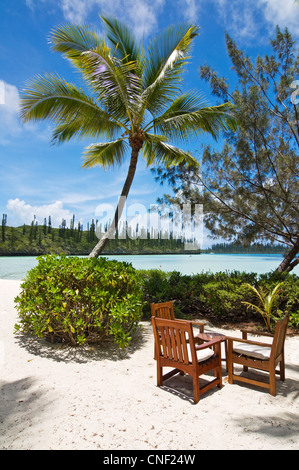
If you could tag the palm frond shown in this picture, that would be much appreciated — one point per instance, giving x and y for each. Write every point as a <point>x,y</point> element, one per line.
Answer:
<point>51,97</point>
<point>254,307</point>
<point>190,116</point>
<point>259,294</point>
<point>157,149</point>
<point>166,57</point>
<point>107,154</point>
<point>168,51</point>
<point>128,87</point>
<point>114,81</point>
<point>120,36</point>
<point>72,40</point>
<point>85,124</point>
<point>273,295</point>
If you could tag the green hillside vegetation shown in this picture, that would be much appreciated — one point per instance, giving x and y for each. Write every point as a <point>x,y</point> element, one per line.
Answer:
<point>44,239</point>
<point>37,239</point>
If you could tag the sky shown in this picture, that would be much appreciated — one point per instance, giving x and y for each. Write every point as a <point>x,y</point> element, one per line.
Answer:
<point>39,179</point>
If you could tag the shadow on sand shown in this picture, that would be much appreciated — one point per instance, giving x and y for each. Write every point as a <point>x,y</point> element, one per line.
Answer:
<point>81,354</point>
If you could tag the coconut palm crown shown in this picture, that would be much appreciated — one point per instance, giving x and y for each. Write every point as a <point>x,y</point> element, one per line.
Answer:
<point>133,100</point>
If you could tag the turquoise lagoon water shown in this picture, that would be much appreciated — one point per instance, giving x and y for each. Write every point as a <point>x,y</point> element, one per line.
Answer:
<point>15,267</point>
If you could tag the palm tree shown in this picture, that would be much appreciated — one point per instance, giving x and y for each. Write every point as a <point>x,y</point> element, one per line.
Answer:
<point>266,302</point>
<point>134,99</point>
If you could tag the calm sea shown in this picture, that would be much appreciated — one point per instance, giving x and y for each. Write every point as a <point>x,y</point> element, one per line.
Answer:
<point>15,267</point>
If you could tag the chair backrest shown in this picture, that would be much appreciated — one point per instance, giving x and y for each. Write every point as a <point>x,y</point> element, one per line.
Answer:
<point>279,336</point>
<point>174,340</point>
<point>163,310</point>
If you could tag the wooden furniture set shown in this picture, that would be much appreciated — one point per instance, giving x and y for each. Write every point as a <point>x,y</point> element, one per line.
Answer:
<point>179,347</point>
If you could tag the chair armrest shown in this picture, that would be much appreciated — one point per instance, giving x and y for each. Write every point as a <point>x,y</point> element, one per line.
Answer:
<point>201,325</point>
<point>256,332</point>
<point>207,344</point>
<point>230,339</point>
<point>191,321</point>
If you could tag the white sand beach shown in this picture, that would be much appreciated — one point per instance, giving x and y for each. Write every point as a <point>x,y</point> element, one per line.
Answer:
<point>55,397</point>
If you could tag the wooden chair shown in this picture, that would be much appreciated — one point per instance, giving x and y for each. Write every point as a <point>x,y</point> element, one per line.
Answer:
<point>165,310</point>
<point>175,347</point>
<point>262,356</point>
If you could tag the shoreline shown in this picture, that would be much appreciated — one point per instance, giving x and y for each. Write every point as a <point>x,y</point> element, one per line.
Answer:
<point>103,398</point>
<point>185,252</point>
<point>16,267</point>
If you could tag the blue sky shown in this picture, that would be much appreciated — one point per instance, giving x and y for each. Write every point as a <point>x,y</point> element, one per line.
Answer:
<point>39,179</point>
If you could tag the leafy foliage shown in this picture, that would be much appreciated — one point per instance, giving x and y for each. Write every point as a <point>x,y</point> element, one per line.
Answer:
<point>220,296</point>
<point>133,96</point>
<point>132,90</point>
<point>77,300</point>
<point>266,302</point>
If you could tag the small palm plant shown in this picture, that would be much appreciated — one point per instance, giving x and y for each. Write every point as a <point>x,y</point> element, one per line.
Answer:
<point>266,302</point>
<point>133,101</point>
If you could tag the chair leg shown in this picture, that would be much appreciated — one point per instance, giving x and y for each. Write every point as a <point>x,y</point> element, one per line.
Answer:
<point>219,376</point>
<point>218,373</point>
<point>196,390</point>
<point>272,382</point>
<point>229,362</point>
<point>282,369</point>
<point>225,347</point>
<point>159,375</point>
<point>230,373</point>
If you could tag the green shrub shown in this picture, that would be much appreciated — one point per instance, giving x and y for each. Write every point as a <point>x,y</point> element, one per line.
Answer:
<point>160,286</point>
<point>219,294</point>
<point>80,300</point>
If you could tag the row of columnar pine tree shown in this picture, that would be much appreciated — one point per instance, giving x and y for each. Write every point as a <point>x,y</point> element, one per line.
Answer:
<point>74,239</point>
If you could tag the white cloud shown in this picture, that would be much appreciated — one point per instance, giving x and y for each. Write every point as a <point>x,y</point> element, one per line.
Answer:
<point>246,20</point>
<point>190,9</point>
<point>10,123</point>
<point>76,11</point>
<point>2,92</point>
<point>9,108</point>
<point>243,19</point>
<point>142,15</point>
<point>284,13</point>
<point>238,17</point>
<point>9,98</point>
<point>22,213</point>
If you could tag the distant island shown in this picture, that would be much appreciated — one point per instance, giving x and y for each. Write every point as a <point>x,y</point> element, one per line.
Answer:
<point>28,240</point>
<point>254,248</point>
<point>35,240</point>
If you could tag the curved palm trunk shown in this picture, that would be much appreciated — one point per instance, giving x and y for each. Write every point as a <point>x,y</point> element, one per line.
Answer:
<point>125,191</point>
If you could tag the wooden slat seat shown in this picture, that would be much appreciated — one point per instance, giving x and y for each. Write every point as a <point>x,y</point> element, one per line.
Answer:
<point>258,355</point>
<point>175,348</point>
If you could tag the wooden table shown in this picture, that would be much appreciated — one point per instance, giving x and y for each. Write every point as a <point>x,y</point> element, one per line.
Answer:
<point>208,335</point>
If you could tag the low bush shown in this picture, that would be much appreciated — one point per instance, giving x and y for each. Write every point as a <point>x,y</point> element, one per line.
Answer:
<point>219,295</point>
<point>80,300</point>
